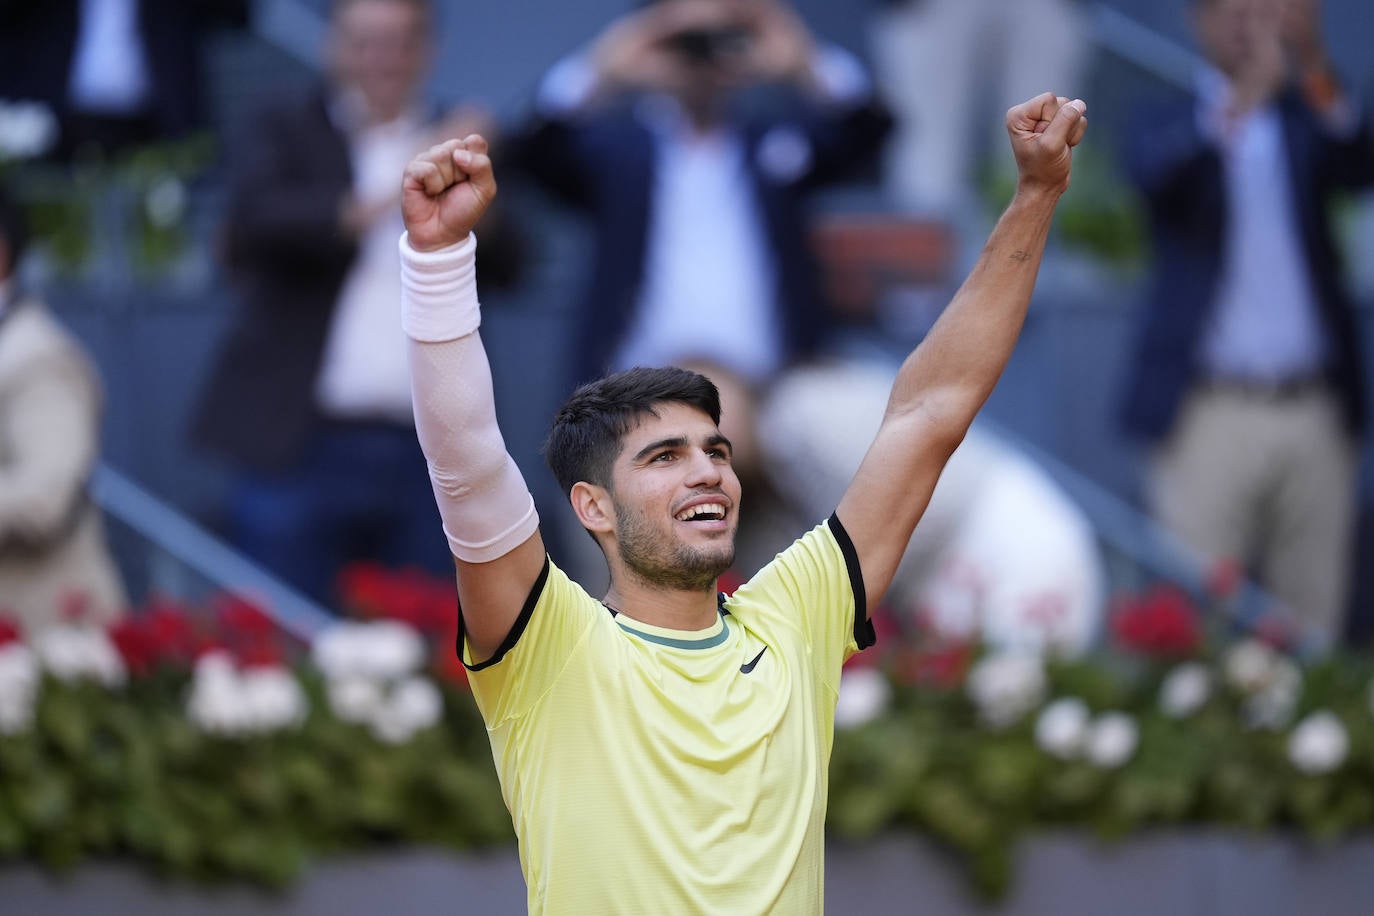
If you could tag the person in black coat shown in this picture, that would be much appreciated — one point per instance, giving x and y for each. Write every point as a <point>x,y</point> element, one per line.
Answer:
<point>692,134</point>
<point>115,72</point>
<point>1247,377</point>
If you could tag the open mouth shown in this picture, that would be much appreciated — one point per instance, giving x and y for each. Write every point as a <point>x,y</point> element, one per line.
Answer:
<point>704,512</point>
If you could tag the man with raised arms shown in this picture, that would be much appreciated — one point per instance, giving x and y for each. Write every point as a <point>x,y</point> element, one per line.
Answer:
<point>665,749</point>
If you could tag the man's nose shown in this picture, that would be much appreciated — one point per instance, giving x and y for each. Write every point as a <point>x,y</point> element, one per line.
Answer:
<point>704,470</point>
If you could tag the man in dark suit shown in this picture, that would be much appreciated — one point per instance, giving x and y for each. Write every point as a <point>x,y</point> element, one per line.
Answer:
<point>310,398</point>
<point>114,72</point>
<point>691,133</point>
<point>1247,378</point>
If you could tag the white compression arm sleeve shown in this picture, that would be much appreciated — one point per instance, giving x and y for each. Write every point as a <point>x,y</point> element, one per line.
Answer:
<point>486,508</point>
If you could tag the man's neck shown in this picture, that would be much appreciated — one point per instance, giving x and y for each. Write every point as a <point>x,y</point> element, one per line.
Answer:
<point>672,609</point>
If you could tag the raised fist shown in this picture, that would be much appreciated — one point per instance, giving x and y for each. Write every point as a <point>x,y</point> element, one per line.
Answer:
<point>1043,132</point>
<point>445,191</point>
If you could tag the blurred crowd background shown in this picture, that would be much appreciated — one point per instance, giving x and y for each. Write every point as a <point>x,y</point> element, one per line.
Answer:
<point>781,195</point>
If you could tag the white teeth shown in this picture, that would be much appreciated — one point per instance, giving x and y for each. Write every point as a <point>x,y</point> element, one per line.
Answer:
<point>716,509</point>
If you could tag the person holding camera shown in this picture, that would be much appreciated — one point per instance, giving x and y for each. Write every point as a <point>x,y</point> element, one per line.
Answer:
<point>691,132</point>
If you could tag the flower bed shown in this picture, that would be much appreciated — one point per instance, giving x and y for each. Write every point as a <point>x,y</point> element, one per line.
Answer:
<point>206,746</point>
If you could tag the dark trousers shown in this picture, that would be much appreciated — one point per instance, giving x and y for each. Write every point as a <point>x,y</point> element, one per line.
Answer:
<point>360,492</point>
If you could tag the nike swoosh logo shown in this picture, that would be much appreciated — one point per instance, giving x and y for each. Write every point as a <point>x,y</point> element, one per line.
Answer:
<point>749,666</point>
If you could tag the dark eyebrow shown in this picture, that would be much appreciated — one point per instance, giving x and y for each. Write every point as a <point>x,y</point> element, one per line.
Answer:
<point>718,439</point>
<point>672,442</point>
<point>679,442</point>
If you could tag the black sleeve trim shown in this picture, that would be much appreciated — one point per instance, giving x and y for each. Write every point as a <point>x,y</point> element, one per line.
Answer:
<point>516,628</point>
<point>863,627</point>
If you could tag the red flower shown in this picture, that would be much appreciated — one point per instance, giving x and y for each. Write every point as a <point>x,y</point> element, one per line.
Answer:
<point>262,654</point>
<point>134,644</point>
<point>363,588</point>
<point>1161,623</point>
<point>427,603</point>
<point>248,632</point>
<point>164,633</point>
<point>8,632</point>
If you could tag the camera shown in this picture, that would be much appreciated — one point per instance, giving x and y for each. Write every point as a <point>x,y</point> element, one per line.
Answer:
<point>710,46</point>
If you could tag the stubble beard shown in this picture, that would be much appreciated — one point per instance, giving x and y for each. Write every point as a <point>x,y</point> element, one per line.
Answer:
<point>669,565</point>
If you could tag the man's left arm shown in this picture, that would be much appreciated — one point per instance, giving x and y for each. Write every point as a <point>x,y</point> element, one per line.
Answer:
<point>946,379</point>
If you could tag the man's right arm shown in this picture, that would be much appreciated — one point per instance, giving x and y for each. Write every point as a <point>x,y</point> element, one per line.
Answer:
<point>487,510</point>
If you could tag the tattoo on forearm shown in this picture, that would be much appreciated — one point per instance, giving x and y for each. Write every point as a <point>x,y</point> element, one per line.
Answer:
<point>1020,255</point>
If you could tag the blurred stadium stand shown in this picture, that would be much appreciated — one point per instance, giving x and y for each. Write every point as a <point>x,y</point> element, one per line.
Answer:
<point>153,338</point>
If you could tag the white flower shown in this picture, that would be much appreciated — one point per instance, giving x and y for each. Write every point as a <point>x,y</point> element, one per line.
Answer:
<point>354,699</point>
<point>1272,706</point>
<point>1186,690</point>
<point>864,694</point>
<point>1319,744</point>
<point>216,704</point>
<point>18,688</point>
<point>225,701</point>
<point>80,653</point>
<point>274,699</point>
<point>27,129</point>
<point>1249,665</point>
<point>1006,686</point>
<point>414,704</point>
<point>1062,728</point>
<point>1112,740</point>
<point>380,650</point>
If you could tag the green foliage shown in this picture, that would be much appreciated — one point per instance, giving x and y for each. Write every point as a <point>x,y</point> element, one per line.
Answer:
<point>135,206</point>
<point>928,765</point>
<point>123,774</point>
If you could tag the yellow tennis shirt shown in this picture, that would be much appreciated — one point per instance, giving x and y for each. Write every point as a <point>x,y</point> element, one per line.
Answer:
<point>654,771</point>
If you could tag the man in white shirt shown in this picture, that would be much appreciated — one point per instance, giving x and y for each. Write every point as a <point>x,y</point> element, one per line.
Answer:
<point>692,133</point>
<point>310,399</point>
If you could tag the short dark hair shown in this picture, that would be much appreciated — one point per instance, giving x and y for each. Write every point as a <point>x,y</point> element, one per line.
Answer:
<point>14,232</point>
<point>586,434</point>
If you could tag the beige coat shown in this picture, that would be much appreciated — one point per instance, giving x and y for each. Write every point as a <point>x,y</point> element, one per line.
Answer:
<point>52,542</point>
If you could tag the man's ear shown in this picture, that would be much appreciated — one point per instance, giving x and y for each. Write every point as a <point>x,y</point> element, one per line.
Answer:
<point>593,506</point>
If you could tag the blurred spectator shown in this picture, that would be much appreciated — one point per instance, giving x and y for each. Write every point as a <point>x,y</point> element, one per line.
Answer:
<point>310,395</point>
<point>692,132</point>
<point>942,63</point>
<point>53,560</point>
<point>1247,378</point>
<point>116,73</point>
<point>1001,555</point>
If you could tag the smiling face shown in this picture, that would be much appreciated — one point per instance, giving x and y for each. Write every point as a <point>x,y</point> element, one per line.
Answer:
<point>676,500</point>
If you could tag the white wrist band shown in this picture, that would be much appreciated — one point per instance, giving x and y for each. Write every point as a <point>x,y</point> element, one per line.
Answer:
<point>439,291</point>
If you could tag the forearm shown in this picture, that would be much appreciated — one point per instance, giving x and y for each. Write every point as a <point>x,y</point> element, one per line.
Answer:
<point>486,507</point>
<point>950,375</point>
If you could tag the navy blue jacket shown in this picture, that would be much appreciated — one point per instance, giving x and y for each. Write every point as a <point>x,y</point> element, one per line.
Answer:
<point>603,163</point>
<point>38,41</point>
<point>1179,173</point>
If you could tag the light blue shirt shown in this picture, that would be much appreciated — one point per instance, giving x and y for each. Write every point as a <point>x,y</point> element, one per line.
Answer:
<point>1265,326</point>
<point>109,70</point>
<point>708,292</point>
